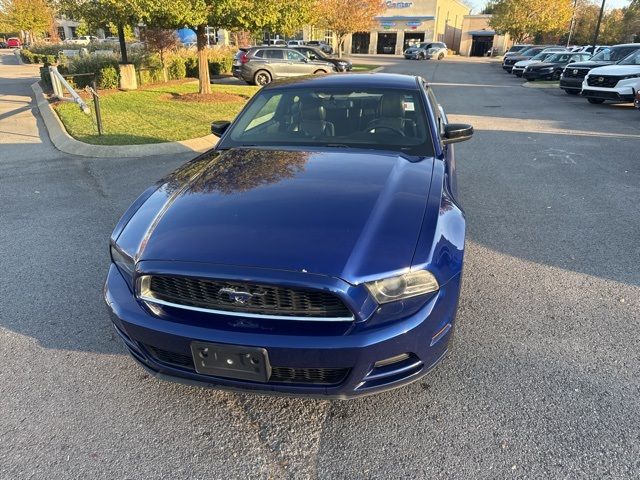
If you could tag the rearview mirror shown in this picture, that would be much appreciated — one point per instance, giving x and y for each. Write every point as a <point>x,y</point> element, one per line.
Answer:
<point>457,132</point>
<point>219,127</point>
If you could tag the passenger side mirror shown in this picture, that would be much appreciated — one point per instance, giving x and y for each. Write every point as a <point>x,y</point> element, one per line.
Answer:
<point>457,132</point>
<point>219,127</point>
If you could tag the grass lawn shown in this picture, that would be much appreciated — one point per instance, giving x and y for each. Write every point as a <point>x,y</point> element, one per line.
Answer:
<point>157,113</point>
<point>359,67</point>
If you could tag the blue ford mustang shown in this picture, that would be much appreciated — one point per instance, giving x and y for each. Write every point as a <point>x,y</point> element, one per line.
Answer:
<point>317,250</point>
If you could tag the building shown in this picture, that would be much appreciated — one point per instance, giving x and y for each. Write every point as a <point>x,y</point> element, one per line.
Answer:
<point>66,28</point>
<point>405,23</point>
<point>478,38</point>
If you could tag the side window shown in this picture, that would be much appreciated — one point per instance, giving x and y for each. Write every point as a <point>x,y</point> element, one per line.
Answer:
<point>259,54</point>
<point>294,56</point>
<point>274,54</point>
<point>433,103</point>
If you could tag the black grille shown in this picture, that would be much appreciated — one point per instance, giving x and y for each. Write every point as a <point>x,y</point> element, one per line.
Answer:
<point>248,297</point>
<point>318,376</point>
<point>605,81</point>
<point>576,72</point>
<point>326,376</point>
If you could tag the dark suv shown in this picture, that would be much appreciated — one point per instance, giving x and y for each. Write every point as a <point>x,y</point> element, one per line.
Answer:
<point>573,75</point>
<point>261,65</point>
<point>312,53</point>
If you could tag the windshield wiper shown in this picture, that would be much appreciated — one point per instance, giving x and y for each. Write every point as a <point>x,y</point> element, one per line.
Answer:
<point>337,145</point>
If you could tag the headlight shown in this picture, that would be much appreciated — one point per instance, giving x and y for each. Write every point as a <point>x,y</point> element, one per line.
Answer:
<point>547,69</point>
<point>404,286</point>
<point>125,263</point>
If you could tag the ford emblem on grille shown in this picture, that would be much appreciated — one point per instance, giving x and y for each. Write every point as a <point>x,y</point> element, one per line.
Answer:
<point>238,296</point>
<point>575,72</point>
<point>601,79</point>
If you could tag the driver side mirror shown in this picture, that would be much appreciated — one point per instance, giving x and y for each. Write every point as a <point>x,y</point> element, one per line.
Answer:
<point>456,133</point>
<point>219,127</point>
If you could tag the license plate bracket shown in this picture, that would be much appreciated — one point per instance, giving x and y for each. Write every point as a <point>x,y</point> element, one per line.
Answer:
<point>231,361</point>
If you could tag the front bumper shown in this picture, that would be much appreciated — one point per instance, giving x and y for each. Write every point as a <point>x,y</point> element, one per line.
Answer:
<point>571,83</point>
<point>622,95</point>
<point>517,71</point>
<point>425,335</point>
<point>536,75</point>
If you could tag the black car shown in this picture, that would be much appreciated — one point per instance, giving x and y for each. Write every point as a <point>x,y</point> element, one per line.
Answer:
<point>312,53</point>
<point>3,45</point>
<point>552,67</point>
<point>511,60</point>
<point>573,75</point>
<point>324,46</point>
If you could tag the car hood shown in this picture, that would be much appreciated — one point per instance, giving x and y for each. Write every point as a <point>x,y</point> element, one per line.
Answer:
<point>526,63</point>
<point>616,70</point>
<point>590,64</point>
<point>348,214</point>
<point>541,65</point>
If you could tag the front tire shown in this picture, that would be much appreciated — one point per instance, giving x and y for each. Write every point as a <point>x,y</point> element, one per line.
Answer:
<point>596,101</point>
<point>441,56</point>
<point>262,77</point>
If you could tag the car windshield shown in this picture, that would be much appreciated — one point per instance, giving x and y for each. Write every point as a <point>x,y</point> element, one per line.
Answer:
<point>559,58</point>
<point>382,119</point>
<point>541,56</point>
<point>633,59</point>
<point>613,54</point>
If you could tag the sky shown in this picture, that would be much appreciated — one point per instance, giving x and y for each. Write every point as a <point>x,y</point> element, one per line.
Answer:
<point>478,4</point>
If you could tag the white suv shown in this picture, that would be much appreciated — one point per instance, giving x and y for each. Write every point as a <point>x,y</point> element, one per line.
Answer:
<point>614,82</point>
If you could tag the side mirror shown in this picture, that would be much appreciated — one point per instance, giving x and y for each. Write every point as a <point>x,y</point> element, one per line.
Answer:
<point>457,132</point>
<point>219,127</point>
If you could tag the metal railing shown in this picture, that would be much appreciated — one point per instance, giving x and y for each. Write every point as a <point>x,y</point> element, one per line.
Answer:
<point>59,84</point>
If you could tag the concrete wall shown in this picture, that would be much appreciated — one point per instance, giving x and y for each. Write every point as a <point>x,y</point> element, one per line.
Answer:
<point>473,23</point>
<point>449,18</point>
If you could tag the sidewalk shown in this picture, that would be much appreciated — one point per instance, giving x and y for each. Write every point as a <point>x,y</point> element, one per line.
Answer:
<point>22,134</point>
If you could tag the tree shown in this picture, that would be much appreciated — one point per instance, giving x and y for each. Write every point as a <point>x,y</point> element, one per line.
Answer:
<point>524,19</point>
<point>160,41</point>
<point>100,13</point>
<point>30,17</point>
<point>344,18</point>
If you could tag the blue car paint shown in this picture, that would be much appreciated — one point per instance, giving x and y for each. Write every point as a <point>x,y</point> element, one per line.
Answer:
<point>348,216</point>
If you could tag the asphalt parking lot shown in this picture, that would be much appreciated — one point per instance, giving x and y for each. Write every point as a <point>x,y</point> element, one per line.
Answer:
<point>542,381</point>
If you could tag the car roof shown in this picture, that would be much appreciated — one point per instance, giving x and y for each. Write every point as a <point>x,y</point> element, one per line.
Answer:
<point>364,80</point>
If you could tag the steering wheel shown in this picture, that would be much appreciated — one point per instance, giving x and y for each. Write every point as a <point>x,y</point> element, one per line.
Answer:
<point>397,131</point>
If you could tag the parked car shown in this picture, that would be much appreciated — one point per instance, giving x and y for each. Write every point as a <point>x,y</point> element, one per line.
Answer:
<point>3,44</point>
<point>83,40</point>
<point>322,45</point>
<point>261,65</point>
<point>295,43</point>
<point>590,49</point>
<point>110,40</point>
<point>317,250</point>
<point>426,50</point>
<point>528,54</point>
<point>515,49</point>
<point>613,82</point>
<point>636,102</point>
<point>13,42</point>
<point>519,67</point>
<point>572,78</point>
<point>275,42</point>
<point>312,53</point>
<point>552,67</point>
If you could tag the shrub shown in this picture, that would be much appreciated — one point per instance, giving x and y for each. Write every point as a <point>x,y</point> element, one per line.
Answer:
<point>45,78</point>
<point>108,77</point>
<point>150,75</point>
<point>26,55</point>
<point>177,68</point>
<point>220,65</point>
<point>47,49</point>
<point>105,67</point>
<point>191,66</point>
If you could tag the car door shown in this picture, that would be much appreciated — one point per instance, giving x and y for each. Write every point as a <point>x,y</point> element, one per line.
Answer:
<point>274,59</point>
<point>298,64</point>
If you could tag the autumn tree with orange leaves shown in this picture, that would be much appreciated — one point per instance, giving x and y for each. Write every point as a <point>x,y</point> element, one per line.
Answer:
<point>344,18</point>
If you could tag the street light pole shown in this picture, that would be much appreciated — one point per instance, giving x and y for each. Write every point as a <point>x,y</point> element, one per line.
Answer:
<point>595,36</point>
<point>573,22</point>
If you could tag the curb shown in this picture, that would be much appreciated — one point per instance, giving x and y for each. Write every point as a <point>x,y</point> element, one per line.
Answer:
<point>540,85</point>
<point>67,144</point>
<point>16,52</point>
<point>375,70</point>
